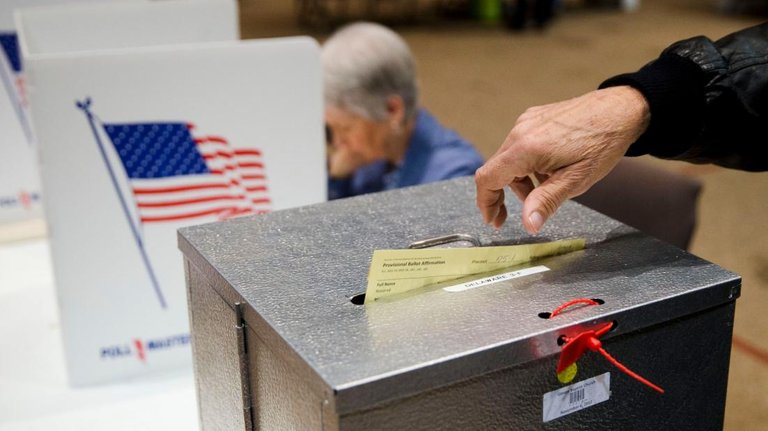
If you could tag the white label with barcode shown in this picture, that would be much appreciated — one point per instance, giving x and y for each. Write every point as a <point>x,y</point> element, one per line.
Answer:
<point>577,396</point>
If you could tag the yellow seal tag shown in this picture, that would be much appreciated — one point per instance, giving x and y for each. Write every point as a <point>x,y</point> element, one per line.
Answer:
<point>568,374</point>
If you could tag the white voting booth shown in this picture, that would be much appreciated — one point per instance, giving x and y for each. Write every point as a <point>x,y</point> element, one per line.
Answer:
<point>150,117</point>
<point>20,194</point>
<point>19,185</point>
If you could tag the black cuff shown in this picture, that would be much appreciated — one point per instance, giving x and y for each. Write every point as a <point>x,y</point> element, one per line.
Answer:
<point>674,89</point>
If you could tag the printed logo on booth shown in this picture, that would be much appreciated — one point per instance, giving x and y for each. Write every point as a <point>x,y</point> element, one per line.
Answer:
<point>141,350</point>
<point>23,199</point>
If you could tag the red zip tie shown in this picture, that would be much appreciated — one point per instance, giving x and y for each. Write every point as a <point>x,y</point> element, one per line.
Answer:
<point>575,347</point>
<point>572,302</point>
<point>631,373</point>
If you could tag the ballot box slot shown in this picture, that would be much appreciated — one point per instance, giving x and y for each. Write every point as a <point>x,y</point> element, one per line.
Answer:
<point>548,314</point>
<point>452,240</point>
<point>358,298</point>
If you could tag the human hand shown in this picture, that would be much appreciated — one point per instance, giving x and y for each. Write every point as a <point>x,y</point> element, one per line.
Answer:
<point>342,162</point>
<point>568,146</point>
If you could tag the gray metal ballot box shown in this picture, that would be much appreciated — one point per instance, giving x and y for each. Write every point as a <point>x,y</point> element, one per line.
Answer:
<point>278,343</point>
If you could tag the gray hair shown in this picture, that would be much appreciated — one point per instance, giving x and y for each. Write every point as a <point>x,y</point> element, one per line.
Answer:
<point>363,65</point>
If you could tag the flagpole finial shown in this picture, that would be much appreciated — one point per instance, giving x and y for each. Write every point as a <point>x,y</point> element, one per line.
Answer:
<point>84,105</point>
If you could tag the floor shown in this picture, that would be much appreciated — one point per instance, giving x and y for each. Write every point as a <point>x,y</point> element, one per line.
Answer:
<point>476,77</point>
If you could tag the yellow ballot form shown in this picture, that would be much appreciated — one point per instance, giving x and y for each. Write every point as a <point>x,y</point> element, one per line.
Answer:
<point>395,272</point>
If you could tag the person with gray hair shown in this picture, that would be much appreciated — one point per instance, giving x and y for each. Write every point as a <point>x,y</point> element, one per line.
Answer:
<point>378,136</point>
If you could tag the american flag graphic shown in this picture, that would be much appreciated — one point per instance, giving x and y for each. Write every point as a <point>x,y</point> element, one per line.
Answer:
<point>175,175</point>
<point>10,44</point>
<point>12,77</point>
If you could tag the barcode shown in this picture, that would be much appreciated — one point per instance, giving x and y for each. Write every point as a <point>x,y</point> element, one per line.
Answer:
<point>576,396</point>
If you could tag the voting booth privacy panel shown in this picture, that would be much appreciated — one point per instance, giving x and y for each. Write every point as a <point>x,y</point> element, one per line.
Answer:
<point>20,194</point>
<point>138,141</point>
<point>19,184</point>
<point>281,341</point>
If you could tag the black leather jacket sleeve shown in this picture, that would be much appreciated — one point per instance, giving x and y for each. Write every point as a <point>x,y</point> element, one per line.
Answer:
<point>708,100</point>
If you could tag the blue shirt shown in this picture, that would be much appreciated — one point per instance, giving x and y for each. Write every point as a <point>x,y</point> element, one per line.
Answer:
<point>434,153</point>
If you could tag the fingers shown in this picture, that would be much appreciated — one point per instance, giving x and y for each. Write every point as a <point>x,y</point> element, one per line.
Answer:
<point>543,201</point>
<point>501,217</point>
<point>576,141</point>
<point>490,194</point>
<point>490,181</point>
<point>491,205</point>
<point>522,187</point>
<point>342,162</point>
<point>491,202</point>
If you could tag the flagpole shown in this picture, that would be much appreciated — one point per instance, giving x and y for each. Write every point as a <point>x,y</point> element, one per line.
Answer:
<point>85,107</point>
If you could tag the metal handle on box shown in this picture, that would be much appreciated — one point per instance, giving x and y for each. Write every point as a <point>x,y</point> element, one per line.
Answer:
<point>445,239</point>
